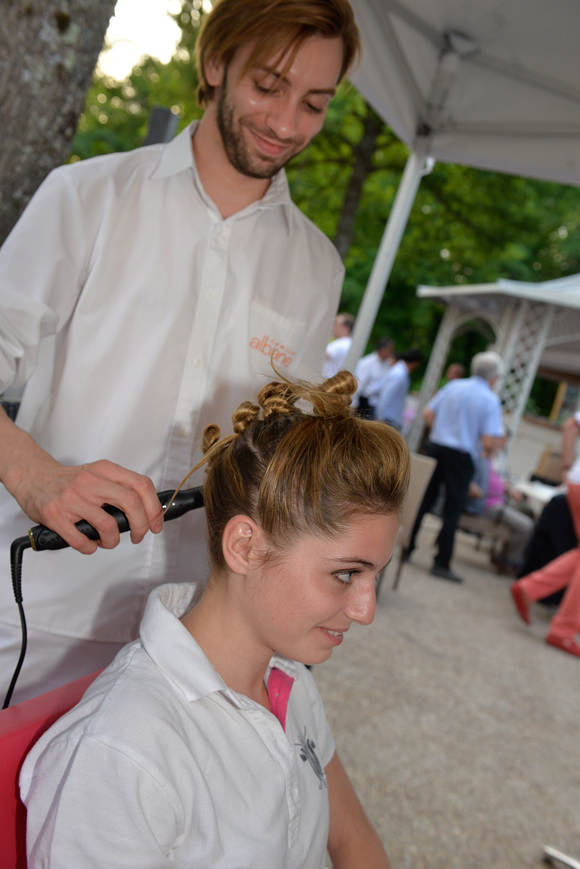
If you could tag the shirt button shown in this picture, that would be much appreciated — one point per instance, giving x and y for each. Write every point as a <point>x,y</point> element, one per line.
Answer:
<point>197,363</point>
<point>183,432</point>
<point>210,295</point>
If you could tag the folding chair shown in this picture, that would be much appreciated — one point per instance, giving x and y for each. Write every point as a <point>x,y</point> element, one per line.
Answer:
<point>20,727</point>
<point>422,468</point>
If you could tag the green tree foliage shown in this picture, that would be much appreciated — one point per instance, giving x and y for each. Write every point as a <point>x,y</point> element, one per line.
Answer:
<point>116,114</point>
<point>466,226</point>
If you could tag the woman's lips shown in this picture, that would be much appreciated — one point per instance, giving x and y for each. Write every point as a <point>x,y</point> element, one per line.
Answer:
<point>335,637</point>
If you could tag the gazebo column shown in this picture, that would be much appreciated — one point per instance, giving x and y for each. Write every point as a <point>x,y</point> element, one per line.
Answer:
<point>506,333</point>
<point>434,370</point>
<point>522,352</point>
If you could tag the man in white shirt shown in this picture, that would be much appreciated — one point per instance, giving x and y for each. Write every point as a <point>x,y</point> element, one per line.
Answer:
<point>337,349</point>
<point>164,282</point>
<point>369,371</point>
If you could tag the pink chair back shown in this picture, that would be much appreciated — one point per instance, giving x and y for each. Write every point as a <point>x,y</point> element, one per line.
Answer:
<point>20,727</point>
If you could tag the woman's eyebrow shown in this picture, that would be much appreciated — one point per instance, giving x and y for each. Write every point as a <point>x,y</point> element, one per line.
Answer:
<point>354,560</point>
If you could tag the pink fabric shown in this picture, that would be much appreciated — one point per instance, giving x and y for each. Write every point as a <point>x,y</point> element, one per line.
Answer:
<point>563,571</point>
<point>279,687</point>
<point>495,488</point>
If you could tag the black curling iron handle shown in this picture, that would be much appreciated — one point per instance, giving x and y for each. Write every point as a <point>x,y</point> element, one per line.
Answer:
<point>42,537</point>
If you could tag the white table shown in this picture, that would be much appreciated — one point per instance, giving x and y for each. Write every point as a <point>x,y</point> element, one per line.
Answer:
<point>538,493</point>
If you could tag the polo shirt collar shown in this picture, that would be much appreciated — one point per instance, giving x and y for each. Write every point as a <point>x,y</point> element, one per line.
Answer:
<point>177,156</point>
<point>170,645</point>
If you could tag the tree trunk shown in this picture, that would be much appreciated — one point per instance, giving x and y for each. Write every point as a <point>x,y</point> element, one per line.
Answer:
<point>363,163</point>
<point>48,50</point>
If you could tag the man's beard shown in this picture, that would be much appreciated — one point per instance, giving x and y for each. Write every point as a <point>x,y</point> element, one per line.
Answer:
<point>235,146</point>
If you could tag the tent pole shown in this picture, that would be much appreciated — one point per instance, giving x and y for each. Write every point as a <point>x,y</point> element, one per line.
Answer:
<point>387,252</point>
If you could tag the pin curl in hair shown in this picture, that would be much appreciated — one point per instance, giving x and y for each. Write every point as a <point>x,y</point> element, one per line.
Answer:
<point>329,399</point>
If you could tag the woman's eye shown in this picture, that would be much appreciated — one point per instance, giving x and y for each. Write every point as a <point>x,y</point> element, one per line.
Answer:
<point>345,575</point>
<point>316,109</point>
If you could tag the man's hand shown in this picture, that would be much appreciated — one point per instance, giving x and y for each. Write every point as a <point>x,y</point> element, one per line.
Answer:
<point>475,491</point>
<point>57,496</point>
<point>428,416</point>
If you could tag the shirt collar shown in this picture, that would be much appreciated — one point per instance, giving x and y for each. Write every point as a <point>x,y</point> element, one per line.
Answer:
<point>170,645</point>
<point>481,381</point>
<point>177,156</point>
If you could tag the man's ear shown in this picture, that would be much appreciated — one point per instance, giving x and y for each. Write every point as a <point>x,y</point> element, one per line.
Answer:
<point>214,71</point>
<point>241,542</point>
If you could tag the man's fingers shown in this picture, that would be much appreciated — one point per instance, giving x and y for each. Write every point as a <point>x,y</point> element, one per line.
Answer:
<point>138,499</point>
<point>64,495</point>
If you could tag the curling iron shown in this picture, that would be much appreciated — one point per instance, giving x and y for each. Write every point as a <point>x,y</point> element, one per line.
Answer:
<point>40,538</point>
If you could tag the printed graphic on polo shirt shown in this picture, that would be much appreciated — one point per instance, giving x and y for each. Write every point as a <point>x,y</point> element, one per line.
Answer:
<point>307,753</point>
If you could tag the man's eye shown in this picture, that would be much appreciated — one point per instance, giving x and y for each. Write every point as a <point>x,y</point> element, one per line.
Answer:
<point>345,576</point>
<point>264,89</point>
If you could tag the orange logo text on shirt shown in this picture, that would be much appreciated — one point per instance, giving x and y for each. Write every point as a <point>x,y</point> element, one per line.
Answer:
<point>278,353</point>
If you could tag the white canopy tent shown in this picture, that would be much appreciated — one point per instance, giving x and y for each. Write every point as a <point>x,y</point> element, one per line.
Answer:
<point>534,325</point>
<point>493,84</point>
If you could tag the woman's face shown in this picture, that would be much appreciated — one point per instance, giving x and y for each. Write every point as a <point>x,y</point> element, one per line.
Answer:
<point>303,601</point>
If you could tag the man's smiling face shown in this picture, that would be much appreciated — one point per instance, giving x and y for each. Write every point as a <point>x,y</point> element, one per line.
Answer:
<point>264,119</point>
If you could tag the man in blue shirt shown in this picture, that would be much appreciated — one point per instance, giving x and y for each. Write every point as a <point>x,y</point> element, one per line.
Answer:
<point>465,417</point>
<point>395,388</point>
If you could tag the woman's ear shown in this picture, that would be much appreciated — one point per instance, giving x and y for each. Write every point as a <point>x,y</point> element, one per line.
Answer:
<point>241,541</point>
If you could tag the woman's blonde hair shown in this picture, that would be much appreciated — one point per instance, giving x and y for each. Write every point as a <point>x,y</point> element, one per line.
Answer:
<point>275,27</point>
<point>301,470</point>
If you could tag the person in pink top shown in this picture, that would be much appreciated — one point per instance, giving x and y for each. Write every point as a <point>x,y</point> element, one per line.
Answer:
<point>563,572</point>
<point>488,497</point>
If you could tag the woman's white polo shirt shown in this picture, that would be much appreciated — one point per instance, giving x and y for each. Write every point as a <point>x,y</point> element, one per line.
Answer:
<point>161,764</point>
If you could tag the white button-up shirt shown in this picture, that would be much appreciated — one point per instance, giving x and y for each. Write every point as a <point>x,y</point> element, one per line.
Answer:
<point>370,372</point>
<point>158,318</point>
<point>336,353</point>
<point>393,392</point>
<point>162,765</point>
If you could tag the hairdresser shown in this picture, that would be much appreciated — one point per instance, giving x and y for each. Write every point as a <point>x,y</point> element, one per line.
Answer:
<point>143,295</point>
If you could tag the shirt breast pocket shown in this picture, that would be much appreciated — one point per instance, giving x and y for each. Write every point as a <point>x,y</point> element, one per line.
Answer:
<point>275,339</point>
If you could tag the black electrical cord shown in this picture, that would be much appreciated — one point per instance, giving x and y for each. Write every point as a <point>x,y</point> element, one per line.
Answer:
<point>17,548</point>
<point>40,538</point>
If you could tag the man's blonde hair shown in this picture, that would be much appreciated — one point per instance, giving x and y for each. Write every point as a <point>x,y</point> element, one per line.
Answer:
<point>275,27</point>
<point>301,471</point>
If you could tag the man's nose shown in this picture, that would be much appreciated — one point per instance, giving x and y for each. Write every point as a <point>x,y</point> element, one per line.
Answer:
<point>363,603</point>
<point>282,118</point>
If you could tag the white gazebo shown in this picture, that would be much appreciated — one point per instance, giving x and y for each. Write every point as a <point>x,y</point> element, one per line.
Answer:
<point>531,325</point>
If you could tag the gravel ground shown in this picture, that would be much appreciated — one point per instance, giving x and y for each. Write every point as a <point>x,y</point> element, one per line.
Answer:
<point>459,726</point>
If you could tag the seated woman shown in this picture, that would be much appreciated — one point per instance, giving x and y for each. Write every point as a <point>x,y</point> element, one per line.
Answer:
<point>488,496</point>
<point>205,743</point>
